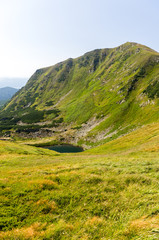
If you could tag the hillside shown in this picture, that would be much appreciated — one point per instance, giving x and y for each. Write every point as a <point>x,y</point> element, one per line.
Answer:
<point>88,100</point>
<point>6,93</point>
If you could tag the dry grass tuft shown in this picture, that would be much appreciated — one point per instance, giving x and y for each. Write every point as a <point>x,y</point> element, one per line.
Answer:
<point>49,204</point>
<point>43,184</point>
<point>34,231</point>
<point>145,223</point>
<point>152,149</point>
<point>94,221</point>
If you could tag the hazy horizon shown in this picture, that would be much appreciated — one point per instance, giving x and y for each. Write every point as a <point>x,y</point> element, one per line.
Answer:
<point>12,82</point>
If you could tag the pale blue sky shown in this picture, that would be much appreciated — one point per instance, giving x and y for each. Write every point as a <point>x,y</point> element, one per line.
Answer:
<point>39,33</point>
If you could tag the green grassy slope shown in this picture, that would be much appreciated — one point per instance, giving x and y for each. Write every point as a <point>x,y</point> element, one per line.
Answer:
<point>7,147</point>
<point>63,196</point>
<point>144,139</point>
<point>90,99</point>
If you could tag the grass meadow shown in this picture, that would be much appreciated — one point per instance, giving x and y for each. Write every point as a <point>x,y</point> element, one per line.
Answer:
<point>46,195</point>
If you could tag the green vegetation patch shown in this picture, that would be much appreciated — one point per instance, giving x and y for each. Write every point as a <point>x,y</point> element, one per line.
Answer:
<point>152,90</point>
<point>33,116</point>
<point>78,196</point>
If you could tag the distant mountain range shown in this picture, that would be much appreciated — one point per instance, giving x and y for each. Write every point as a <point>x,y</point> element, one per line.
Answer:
<point>88,100</point>
<point>6,94</point>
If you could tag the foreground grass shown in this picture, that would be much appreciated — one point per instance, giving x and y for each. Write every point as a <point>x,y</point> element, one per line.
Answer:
<point>78,196</point>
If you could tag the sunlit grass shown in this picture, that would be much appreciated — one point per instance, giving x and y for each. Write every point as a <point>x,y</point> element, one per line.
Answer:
<point>78,196</point>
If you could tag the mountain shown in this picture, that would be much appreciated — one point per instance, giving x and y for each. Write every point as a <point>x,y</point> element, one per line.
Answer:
<point>6,94</point>
<point>90,100</point>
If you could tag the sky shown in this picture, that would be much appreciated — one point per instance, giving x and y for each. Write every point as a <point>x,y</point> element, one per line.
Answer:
<point>41,33</point>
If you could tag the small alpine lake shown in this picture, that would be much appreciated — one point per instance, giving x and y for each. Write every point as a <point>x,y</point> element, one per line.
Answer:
<point>65,148</point>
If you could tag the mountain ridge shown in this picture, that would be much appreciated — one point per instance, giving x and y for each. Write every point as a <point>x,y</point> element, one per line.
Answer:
<point>91,99</point>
